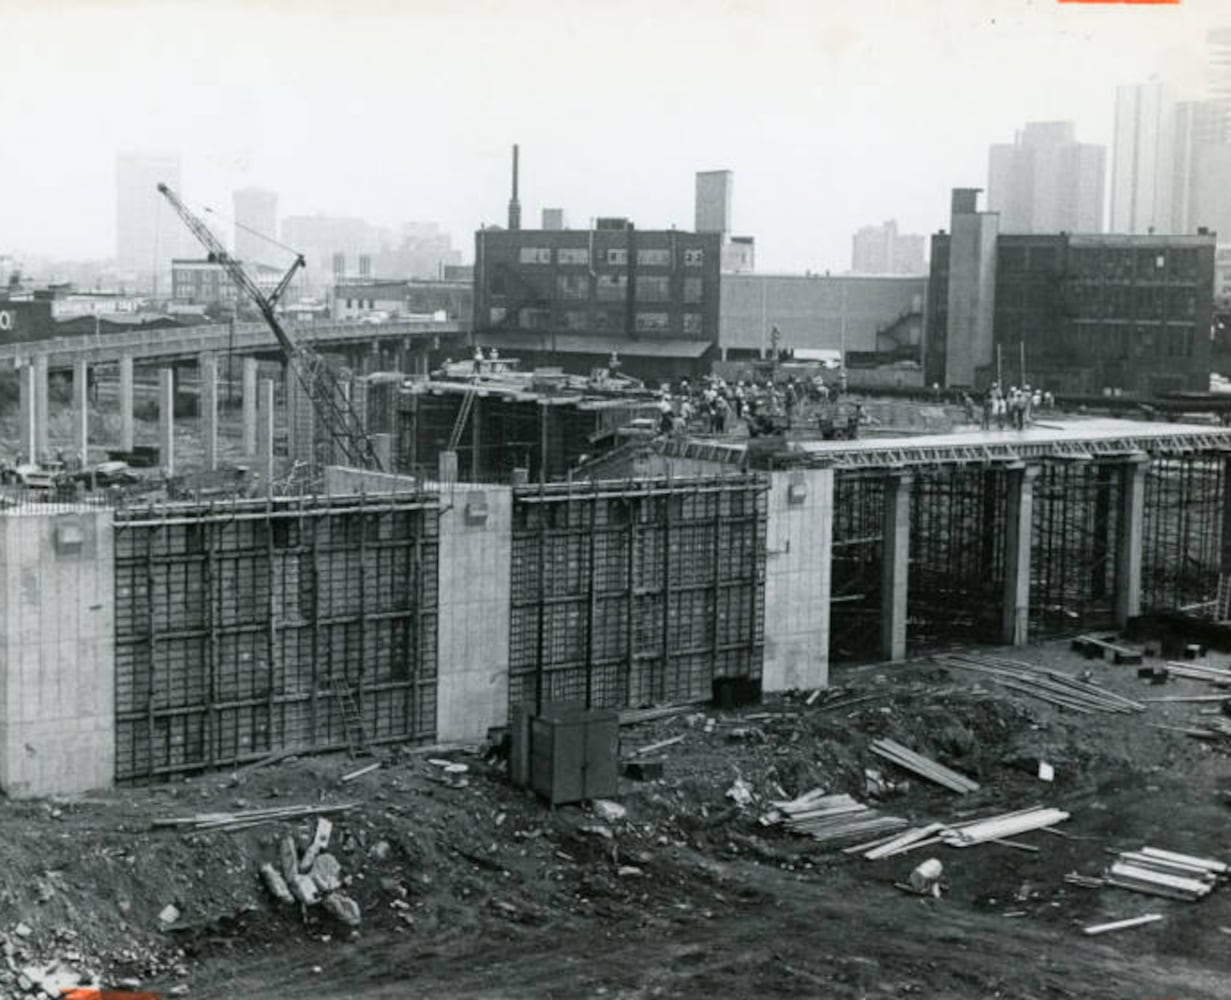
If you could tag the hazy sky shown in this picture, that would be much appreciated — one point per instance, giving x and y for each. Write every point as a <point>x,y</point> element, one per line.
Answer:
<point>832,113</point>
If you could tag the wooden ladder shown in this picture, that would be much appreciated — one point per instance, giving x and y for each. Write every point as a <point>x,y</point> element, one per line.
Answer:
<point>352,721</point>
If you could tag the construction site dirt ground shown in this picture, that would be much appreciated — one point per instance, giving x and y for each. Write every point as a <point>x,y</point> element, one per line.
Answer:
<point>471,888</point>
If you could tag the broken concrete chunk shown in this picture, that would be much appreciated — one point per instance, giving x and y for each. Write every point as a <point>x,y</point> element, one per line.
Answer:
<point>381,850</point>
<point>304,889</point>
<point>326,873</point>
<point>288,859</point>
<point>343,908</point>
<point>23,930</point>
<point>324,828</point>
<point>609,811</point>
<point>276,884</point>
<point>170,914</point>
<point>740,792</point>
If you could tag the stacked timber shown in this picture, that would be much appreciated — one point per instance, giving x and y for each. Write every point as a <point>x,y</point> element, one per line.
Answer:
<point>830,817</point>
<point>1164,873</point>
<point>1001,827</point>
<point>1200,672</point>
<point>924,767</point>
<point>1052,686</point>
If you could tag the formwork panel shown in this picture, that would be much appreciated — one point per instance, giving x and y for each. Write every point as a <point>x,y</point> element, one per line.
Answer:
<point>236,621</point>
<point>627,594</point>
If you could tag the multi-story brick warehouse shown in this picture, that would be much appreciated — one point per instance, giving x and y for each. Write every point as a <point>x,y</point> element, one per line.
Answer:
<point>571,297</point>
<point>1076,314</point>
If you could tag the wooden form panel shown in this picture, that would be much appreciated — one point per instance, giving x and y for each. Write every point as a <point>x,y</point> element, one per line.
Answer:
<point>234,624</point>
<point>626,595</point>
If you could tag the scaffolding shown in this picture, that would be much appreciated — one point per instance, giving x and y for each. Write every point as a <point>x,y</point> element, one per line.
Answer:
<point>238,625</point>
<point>630,594</point>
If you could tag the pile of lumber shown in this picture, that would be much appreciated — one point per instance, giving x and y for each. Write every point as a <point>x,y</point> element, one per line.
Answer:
<point>918,764</point>
<point>999,828</point>
<point>1200,672</point>
<point>1052,686</point>
<point>251,817</point>
<point>830,817</point>
<point>1165,873</point>
<point>1093,646</point>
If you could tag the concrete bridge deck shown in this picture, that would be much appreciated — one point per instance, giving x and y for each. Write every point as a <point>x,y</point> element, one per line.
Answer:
<point>183,343</point>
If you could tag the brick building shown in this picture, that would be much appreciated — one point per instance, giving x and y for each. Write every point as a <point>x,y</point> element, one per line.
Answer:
<point>571,297</point>
<point>1076,314</point>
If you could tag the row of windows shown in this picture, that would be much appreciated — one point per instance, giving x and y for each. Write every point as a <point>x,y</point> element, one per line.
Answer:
<point>1140,264</point>
<point>1140,301</point>
<point>616,256</point>
<point>600,319</point>
<point>1122,343</point>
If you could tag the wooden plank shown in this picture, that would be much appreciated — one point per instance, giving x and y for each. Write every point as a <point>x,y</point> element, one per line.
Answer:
<point>1120,925</point>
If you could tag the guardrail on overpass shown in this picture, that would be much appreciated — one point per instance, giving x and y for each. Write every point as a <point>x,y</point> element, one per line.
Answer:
<point>185,342</point>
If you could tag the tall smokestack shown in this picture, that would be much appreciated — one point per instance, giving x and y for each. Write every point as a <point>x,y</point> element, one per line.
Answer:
<point>514,204</point>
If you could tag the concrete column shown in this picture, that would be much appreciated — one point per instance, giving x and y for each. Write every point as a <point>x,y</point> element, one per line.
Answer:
<point>265,427</point>
<point>57,647</point>
<point>798,548</point>
<point>29,419</point>
<point>127,427</point>
<point>1129,540</point>
<point>42,407</point>
<point>81,411</point>
<point>895,565</point>
<point>207,367</point>
<point>476,539</point>
<point>250,373</point>
<point>1015,616</point>
<point>166,420</point>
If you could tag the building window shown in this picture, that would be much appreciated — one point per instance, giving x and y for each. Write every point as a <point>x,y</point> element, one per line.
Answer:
<point>654,258</point>
<point>573,255</point>
<point>653,322</point>
<point>573,286</point>
<point>692,290</point>
<point>617,256</point>
<point>496,315</point>
<point>611,287</point>
<point>694,258</point>
<point>651,288</point>
<point>576,319</point>
<point>692,323</point>
<point>534,255</point>
<point>534,319</point>
<point>608,319</point>
<point>350,303</point>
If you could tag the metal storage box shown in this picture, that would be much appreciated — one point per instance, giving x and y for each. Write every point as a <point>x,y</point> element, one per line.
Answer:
<point>574,753</point>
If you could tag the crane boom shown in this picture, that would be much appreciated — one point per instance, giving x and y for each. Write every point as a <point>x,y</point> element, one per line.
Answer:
<point>332,405</point>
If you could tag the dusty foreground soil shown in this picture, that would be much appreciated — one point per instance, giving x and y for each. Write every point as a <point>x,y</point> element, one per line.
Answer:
<point>470,888</point>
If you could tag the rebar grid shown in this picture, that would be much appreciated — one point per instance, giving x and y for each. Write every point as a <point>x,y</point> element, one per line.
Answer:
<point>856,570</point>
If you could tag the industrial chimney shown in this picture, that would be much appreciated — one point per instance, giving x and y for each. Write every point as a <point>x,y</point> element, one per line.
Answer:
<point>514,204</point>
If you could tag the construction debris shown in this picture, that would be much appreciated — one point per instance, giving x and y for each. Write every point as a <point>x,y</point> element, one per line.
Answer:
<point>829,817</point>
<point>999,828</point>
<point>1164,873</point>
<point>911,761</point>
<point>1052,686</point>
<point>251,817</point>
<point>1120,925</point>
<point>361,772</point>
<point>1092,646</point>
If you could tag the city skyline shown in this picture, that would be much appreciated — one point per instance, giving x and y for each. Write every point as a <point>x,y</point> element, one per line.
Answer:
<point>828,118</point>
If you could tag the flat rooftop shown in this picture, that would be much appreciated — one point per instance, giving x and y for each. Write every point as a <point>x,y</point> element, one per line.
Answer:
<point>1075,438</point>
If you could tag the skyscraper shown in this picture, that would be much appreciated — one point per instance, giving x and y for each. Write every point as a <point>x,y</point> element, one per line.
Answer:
<point>1046,181</point>
<point>1143,168</point>
<point>883,250</point>
<point>147,232</point>
<point>713,214</point>
<point>256,215</point>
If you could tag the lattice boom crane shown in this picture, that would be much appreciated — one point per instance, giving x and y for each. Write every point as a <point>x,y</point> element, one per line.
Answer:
<point>331,404</point>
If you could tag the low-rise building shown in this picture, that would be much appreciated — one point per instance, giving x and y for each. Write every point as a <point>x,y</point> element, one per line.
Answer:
<point>573,297</point>
<point>403,298</point>
<point>1079,314</point>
